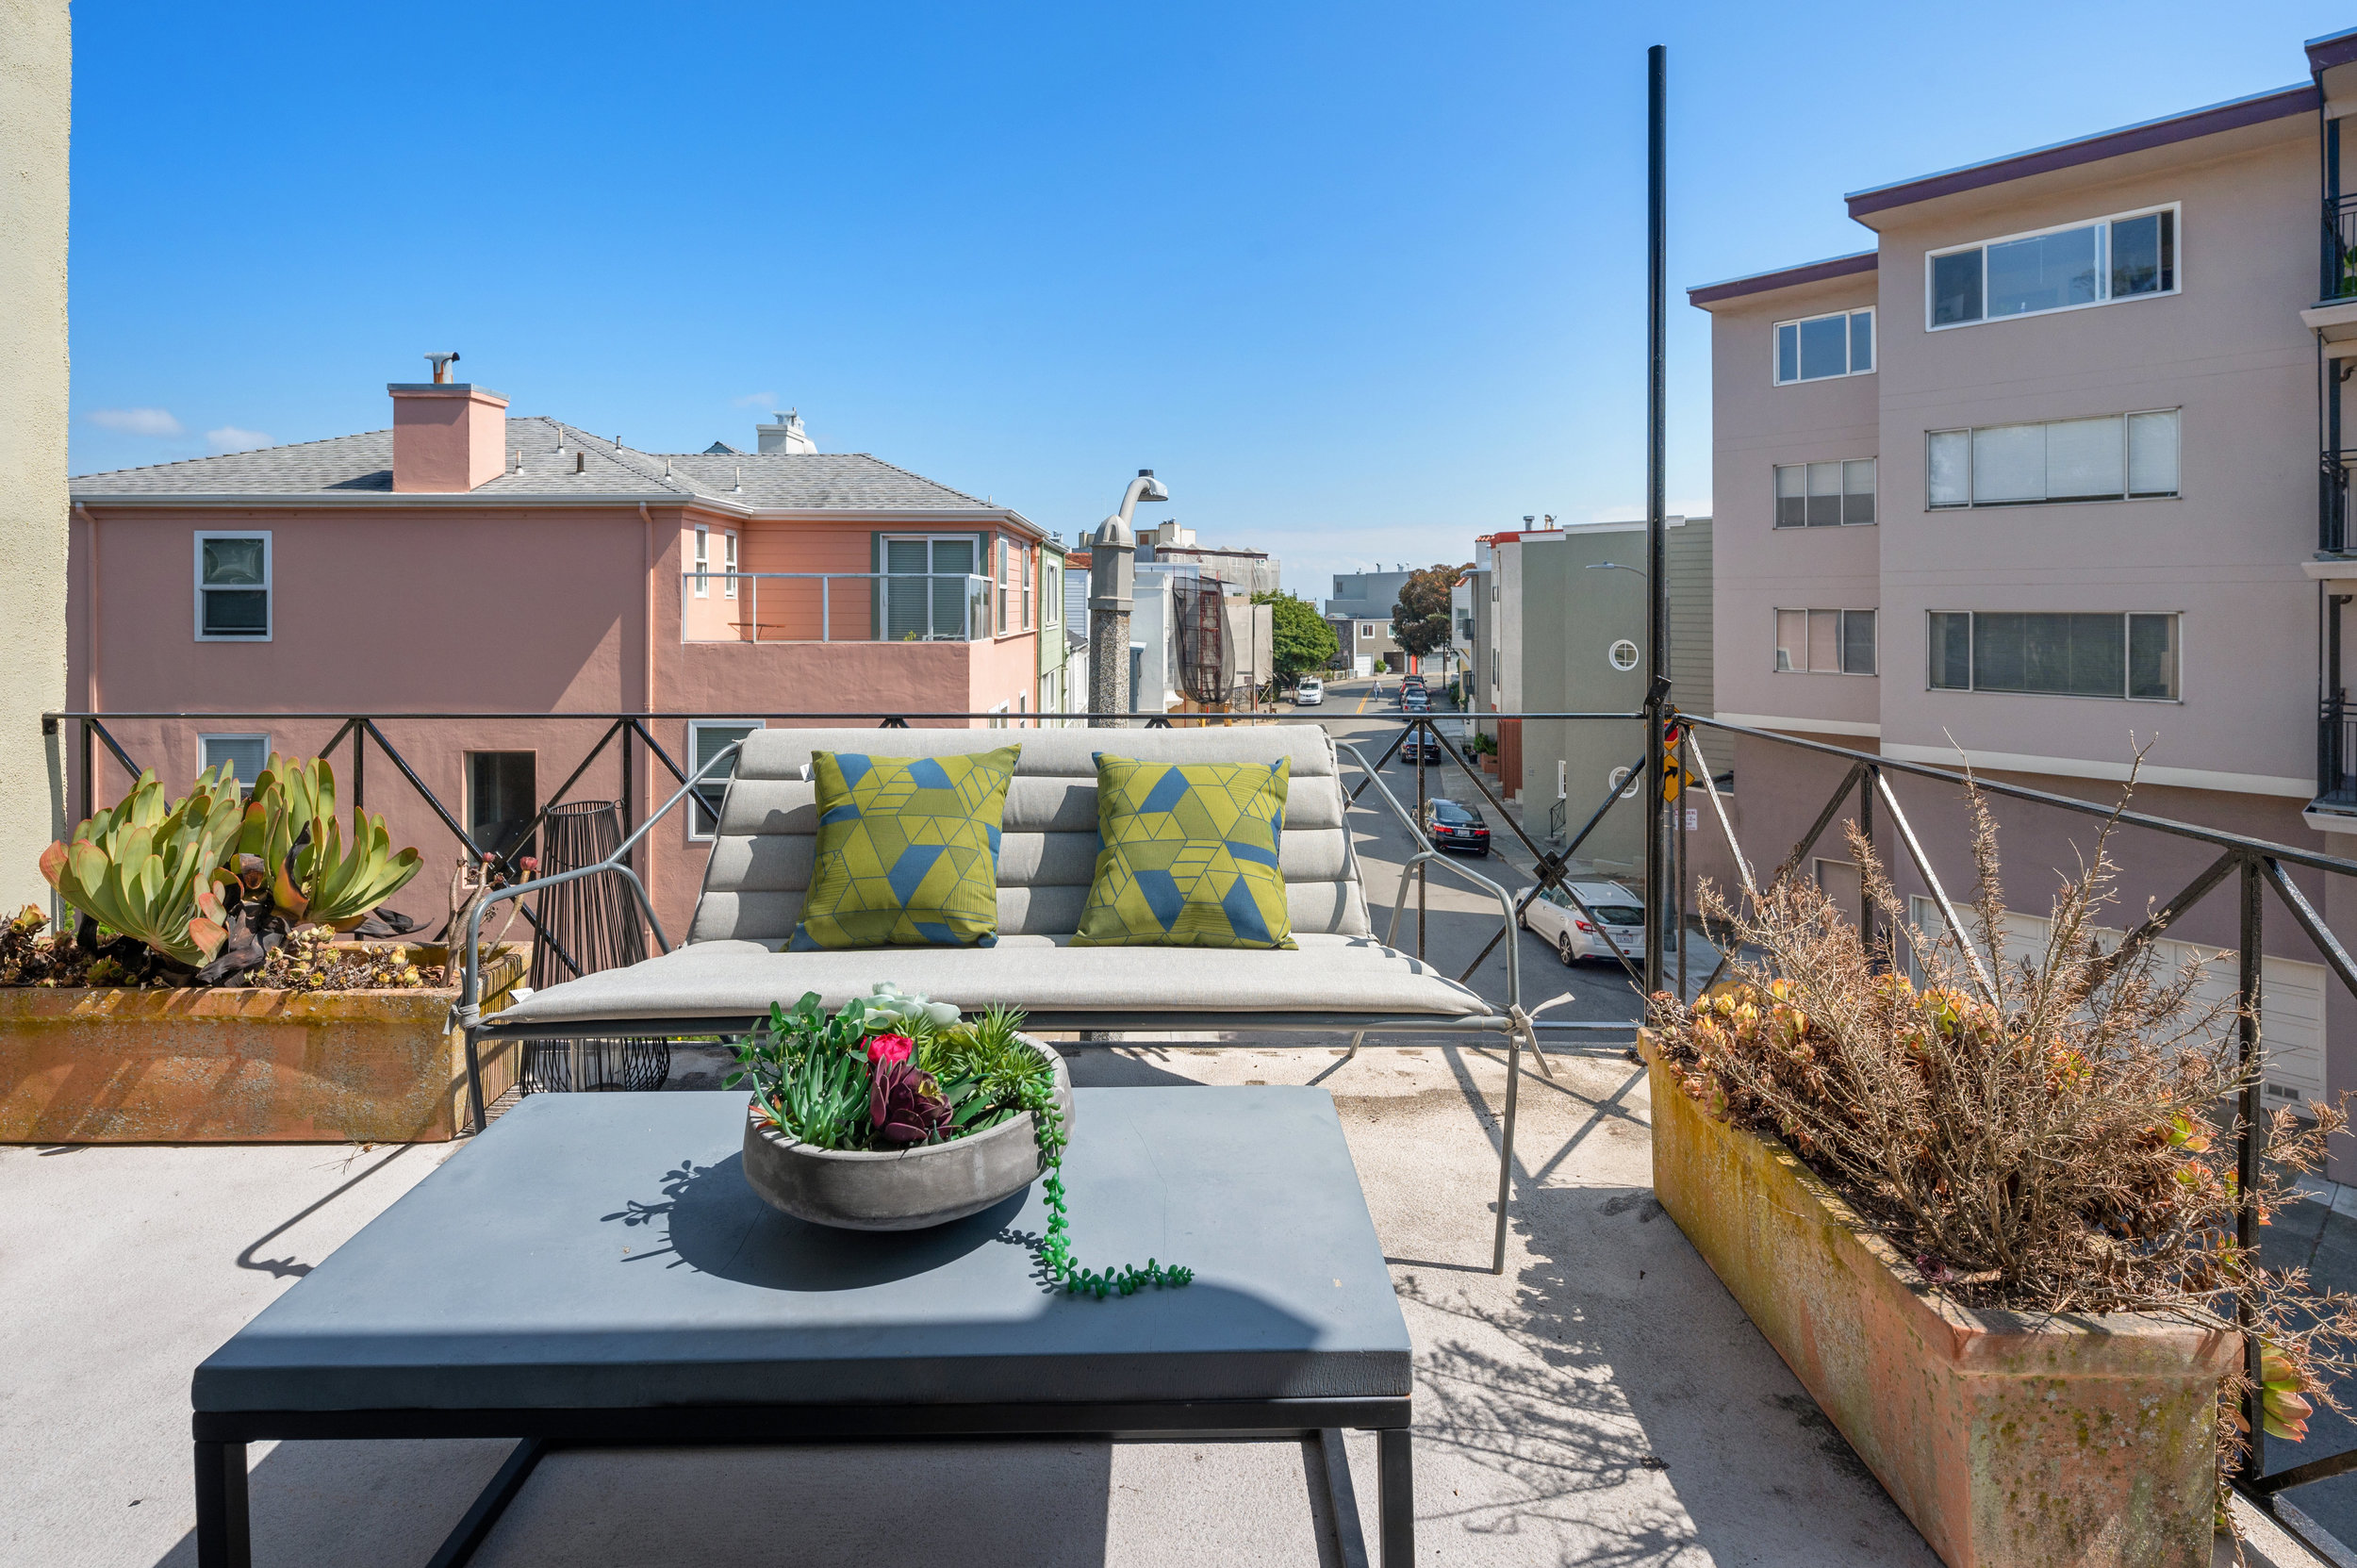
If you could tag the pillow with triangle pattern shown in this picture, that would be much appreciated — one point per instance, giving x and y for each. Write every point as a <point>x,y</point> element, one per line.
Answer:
<point>907,853</point>
<point>1187,856</point>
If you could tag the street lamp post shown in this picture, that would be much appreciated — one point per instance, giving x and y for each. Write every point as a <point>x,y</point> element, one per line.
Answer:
<point>1113,570</point>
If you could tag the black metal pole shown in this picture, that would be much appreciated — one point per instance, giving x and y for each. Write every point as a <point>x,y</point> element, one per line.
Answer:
<point>1657,527</point>
<point>2246,1150</point>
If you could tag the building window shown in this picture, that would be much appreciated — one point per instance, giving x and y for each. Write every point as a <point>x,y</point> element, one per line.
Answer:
<point>1817,347</point>
<point>2127,256</point>
<point>1023,558</point>
<point>2050,653</point>
<point>246,754</point>
<point>1006,596</point>
<point>706,739</point>
<point>703,562</point>
<point>1825,642</point>
<point>1825,495</point>
<point>233,587</point>
<point>502,796</point>
<point>1051,596</point>
<point>728,564</point>
<point>2116,458</point>
<point>925,590</point>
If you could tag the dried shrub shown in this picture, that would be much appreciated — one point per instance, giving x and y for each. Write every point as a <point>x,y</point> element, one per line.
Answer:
<point>2053,1135</point>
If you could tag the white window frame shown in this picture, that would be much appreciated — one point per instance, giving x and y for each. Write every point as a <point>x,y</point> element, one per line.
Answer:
<point>695,804</point>
<point>1775,368</point>
<point>2127,458</point>
<point>703,562</point>
<point>2103,226</point>
<point>728,562</point>
<point>2126,635</point>
<point>1841,638</point>
<point>270,597</point>
<point>205,740</point>
<point>1051,596</point>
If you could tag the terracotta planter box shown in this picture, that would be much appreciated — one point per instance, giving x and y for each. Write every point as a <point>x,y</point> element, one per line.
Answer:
<point>2006,1439</point>
<point>107,1065</point>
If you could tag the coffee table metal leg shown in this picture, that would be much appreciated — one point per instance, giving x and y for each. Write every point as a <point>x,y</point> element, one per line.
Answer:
<point>1341,1500</point>
<point>458,1547</point>
<point>1395,1497</point>
<point>221,1537</point>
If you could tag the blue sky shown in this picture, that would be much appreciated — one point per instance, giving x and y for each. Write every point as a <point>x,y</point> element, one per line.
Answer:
<point>1359,281</point>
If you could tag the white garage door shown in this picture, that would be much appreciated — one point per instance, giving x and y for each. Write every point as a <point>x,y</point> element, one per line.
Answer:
<point>2291,996</point>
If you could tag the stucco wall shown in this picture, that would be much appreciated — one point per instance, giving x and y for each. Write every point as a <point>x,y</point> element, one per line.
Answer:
<point>1759,567</point>
<point>2230,350</point>
<point>36,116</point>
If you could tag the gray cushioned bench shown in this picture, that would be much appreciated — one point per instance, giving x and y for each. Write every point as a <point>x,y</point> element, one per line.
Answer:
<point>1339,979</point>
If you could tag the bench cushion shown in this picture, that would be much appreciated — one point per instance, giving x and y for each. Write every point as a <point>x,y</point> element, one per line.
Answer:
<point>763,852</point>
<point>1329,974</point>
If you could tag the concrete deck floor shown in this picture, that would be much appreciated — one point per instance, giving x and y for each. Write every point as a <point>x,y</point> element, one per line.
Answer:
<point>1603,1403</point>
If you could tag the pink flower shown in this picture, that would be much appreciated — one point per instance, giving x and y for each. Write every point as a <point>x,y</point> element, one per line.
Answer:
<point>888,1050</point>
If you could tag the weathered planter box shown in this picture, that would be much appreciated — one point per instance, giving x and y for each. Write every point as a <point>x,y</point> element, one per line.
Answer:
<point>2006,1439</point>
<point>109,1065</point>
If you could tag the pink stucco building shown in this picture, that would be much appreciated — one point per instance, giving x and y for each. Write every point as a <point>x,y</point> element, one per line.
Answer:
<point>2034,480</point>
<point>465,561</point>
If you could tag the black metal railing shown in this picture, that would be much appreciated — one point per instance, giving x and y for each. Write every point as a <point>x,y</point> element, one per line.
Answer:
<point>2334,534</point>
<point>2339,281</point>
<point>2244,867</point>
<point>2336,755</point>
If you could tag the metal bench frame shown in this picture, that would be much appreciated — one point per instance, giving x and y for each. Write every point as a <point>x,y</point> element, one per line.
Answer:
<point>1512,1022</point>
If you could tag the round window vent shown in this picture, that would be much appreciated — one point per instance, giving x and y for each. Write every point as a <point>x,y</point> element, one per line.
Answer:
<point>1624,655</point>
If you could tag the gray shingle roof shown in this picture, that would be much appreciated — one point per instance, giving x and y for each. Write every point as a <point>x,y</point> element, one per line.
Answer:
<point>350,466</point>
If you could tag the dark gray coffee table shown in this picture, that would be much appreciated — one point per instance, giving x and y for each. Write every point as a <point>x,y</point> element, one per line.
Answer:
<point>593,1270</point>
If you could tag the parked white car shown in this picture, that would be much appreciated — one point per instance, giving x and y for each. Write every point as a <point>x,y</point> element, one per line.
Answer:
<point>1557,920</point>
<point>1310,693</point>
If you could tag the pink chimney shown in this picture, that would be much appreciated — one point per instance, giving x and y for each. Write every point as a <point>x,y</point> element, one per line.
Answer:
<point>447,434</point>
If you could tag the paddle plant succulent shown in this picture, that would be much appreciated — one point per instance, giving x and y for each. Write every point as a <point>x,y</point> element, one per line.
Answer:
<point>202,889</point>
<point>145,870</point>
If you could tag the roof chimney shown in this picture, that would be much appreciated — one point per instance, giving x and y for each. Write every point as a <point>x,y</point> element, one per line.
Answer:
<point>785,436</point>
<point>448,436</point>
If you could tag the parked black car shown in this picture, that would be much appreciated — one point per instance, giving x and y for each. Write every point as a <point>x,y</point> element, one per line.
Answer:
<point>1421,746</point>
<point>1452,826</point>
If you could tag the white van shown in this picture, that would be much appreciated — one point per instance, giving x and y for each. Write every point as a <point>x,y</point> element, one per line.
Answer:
<point>1310,693</point>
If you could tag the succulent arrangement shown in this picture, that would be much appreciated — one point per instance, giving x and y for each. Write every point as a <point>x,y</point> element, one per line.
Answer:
<point>200,890</point>
<point>893,1071</point>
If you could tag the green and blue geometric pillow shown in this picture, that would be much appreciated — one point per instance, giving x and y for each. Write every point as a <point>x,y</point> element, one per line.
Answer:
<point>908,851</point>
<point>1187,856</point>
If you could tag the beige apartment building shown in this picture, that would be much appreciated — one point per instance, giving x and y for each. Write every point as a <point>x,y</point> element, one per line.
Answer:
<point>2036,481</point>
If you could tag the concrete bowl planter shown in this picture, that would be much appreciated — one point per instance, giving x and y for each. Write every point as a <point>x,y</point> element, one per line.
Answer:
<point>104,1064</point>
<point>903,1189</point>
<point>2008,1439</point>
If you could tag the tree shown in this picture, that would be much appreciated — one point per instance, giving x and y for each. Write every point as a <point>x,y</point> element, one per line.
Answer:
<point>1421,620</point>
<point>1301,638</point>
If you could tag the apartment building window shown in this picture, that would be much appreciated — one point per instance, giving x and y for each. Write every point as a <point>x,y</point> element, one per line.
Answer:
<point>1825,495</point>
<point>925,589</point>
<point>1051,596</point>
<point>501,797</point>
<point>232,588</point>
<point>1006,596</point>
<point>1817,347</point>
<point>728,564</point>
<point>1825,642</point>
<point>703,562</point>
<point>2115,457</point>
<point>706,739</point>
<point>2055,653</point>
<point>2128,255</point>
<point>1023,567</point>
<point>246,754</point>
